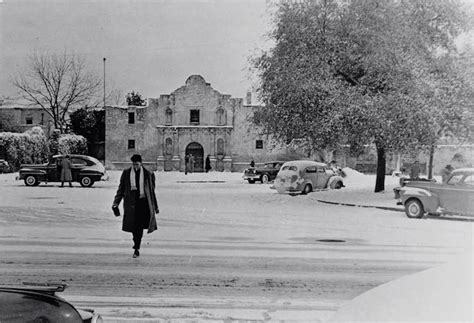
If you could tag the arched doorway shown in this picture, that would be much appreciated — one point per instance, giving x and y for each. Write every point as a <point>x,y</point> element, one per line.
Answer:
<point>197,151</point>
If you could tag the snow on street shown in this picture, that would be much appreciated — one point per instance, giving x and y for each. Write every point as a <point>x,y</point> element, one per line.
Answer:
<point>225,249</point>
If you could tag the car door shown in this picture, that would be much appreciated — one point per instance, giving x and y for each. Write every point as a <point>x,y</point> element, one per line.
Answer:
<point>457,195</point>
<point>52,170</point>
<point>310,175</point>
<point>77,164</point>
<point>322,177</point>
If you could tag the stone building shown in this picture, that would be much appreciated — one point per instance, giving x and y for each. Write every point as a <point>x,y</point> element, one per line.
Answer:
<point>194,119</point>
<point>17,117</point>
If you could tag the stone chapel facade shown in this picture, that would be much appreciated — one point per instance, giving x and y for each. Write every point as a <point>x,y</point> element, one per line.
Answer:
<point>194,119</point>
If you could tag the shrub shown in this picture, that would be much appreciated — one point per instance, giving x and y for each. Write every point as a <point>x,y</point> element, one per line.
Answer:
<point>72,144</point>
<point>24,148</point>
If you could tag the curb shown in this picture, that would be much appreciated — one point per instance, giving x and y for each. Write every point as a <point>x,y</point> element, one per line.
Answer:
<point>387,208</point>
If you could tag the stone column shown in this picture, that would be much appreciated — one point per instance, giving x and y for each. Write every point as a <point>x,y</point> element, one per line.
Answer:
<point>176,158</point>
<point>228,151</point>
<point>160,160</point>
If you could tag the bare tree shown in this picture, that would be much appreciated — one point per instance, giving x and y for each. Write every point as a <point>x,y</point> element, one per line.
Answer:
<point>116,96</point>
<point>57,83</point>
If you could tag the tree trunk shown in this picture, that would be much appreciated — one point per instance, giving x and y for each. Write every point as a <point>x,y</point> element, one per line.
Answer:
<point>430,163</point>
<point>380,179</point>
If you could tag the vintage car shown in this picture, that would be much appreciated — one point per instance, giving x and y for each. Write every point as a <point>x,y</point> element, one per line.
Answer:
<point>264,174</point>
<point>305,176</point>
<point>456,196</point>
<point>84,169</point>
<point>39,303</point>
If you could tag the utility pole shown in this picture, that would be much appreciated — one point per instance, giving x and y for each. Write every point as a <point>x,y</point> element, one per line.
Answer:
<point>104,82</point>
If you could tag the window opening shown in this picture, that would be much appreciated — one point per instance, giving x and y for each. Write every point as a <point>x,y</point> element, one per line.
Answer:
<point>194,116</point>
<point>169,116</point>
<point>131,117</point>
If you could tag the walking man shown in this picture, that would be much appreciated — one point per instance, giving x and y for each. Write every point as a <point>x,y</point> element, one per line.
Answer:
<point>137,189</point>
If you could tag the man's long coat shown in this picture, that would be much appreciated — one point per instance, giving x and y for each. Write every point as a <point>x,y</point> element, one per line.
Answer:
<point>130,197</point>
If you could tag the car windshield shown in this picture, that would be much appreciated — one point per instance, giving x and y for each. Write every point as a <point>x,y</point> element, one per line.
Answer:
<point>289,168</point>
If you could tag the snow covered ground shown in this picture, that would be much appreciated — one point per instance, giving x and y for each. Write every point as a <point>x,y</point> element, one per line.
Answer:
<point>225,250</point>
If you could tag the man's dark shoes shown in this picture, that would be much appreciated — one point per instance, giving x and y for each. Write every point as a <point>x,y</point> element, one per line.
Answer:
<point>136,254</point>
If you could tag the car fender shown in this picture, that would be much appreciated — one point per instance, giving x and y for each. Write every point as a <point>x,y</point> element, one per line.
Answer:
<point>37,172</point>
<point>334,179</point>
<point>429,199</point>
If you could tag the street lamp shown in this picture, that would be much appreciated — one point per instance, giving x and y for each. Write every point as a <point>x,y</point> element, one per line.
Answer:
<point>104,81</point>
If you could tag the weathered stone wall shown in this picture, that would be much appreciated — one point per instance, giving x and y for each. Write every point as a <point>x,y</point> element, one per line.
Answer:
<point>163,130</point>
<point>118,131</point>
<point>14,118</point>
<point>245,137</point>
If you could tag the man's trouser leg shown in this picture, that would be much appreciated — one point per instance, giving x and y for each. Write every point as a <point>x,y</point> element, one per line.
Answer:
<point>137,238</point>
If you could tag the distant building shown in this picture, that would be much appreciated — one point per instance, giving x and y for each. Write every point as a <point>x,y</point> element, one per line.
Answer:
<point>18,117</point>
<point>194,119</point>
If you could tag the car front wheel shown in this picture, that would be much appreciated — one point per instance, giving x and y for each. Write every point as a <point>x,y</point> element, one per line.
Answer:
<point>31,180</point>
<point>265,179</point>
<point>414,209</point>
<point>86,181</point>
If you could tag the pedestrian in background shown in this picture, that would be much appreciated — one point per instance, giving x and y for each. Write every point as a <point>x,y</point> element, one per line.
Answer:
<point>186,164</point>
<point>208,164</point>
<point>252,163</point>
<point>137,189</point>
<point>445,172</point>
<point>66,175</point>
<point>415,170</point>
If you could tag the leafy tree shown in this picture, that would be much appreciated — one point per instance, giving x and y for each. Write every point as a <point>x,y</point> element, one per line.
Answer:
<point>89,123</point>
<point>57,83</point>
<point>134,98</point>
<point>360,72</point>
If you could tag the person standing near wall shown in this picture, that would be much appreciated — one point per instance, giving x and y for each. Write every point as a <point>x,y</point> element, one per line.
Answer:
<point>66,175</point>
<point>208,164</point>
<point>186,164</point>
<point>137,189</point>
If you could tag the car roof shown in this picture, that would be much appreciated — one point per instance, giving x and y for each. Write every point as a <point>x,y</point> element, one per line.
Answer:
<point>275,161</point>
<point>463,170</point>
<point>304,163</point>
<point>74,155</point>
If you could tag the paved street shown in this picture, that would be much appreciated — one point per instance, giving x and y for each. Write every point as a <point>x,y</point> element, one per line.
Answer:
<point>224,249</point>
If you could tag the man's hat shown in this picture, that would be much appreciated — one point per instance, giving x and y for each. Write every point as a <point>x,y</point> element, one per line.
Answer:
<point>136,158</point>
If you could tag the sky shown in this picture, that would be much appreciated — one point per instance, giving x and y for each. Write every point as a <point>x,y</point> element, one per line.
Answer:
<point>150,46</point>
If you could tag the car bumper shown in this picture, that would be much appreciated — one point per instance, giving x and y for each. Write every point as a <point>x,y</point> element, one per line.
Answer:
<point>105,177</point>
<point>246,177</point>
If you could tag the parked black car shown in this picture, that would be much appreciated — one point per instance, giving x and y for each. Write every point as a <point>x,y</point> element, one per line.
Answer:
<point>84,169</point>
<point>264,174</point>
<point>39,303</point>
